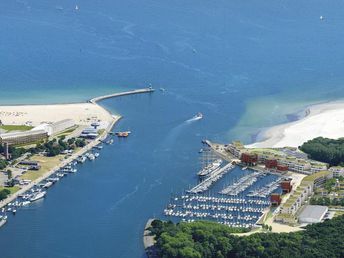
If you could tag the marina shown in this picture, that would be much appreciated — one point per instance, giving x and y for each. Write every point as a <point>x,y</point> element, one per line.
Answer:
<point>237,199</point>
<point>39,191</point>
<point>235,212</point>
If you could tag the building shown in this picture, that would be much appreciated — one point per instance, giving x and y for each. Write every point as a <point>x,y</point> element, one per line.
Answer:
<point>26,137</point>
<point>300,195</point>
<point>249,158</point>
<point>318,166</point>
<point>295,163</point>
<point>337,171</point>
<point>89,133</point>
<point>60,126</point>
<point>55,128</point>
<point>235,148</point>
<point>275,199</point>
<point>282,168</point>
<point>286,186</point>
<point>312,214</point>
<point>271,163</point>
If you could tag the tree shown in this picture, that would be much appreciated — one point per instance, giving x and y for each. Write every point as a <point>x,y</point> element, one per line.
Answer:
<point>9,174</point>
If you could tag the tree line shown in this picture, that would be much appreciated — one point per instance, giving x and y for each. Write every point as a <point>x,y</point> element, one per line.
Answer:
<point>212,240</point>
<point>325,150</point>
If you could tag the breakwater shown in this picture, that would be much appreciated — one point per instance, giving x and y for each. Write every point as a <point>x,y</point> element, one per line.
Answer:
<point>119,94</point>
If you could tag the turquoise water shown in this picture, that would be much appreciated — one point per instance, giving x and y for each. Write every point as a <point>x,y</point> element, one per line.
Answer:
<point>243,64</point>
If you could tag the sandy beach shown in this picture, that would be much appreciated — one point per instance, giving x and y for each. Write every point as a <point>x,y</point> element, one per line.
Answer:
<point>33,115</point>
<point>326,120</point>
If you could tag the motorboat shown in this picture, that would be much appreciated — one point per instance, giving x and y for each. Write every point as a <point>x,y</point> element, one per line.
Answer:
<point>198,116</point>
<point>37,196</point>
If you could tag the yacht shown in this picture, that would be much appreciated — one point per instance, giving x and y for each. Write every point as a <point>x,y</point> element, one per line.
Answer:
<point>47,184</point>
<point>96,155</point>
<point>198,116</point>
<point>3,220</point>
<point>81,159</point>
<point>123,134</point>
<point>37,196</point>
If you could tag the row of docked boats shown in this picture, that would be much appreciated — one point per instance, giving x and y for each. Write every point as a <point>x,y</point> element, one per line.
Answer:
<point>232,211</point>
<point>209,168</point>
<point>265,191</point>
<point>39,191</point>
<point>236,200</point>
<point>241,185</point>
<point>211,179</point>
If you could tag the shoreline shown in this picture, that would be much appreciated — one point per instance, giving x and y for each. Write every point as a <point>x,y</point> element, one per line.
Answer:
<point>323,119</point>
<point>109,118</point>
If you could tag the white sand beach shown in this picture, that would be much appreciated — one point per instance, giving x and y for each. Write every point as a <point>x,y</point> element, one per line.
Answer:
<point>33,115</point>
<point>326,120</point>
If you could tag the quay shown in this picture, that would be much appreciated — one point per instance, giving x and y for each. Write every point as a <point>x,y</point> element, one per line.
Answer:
<point>119,94</point>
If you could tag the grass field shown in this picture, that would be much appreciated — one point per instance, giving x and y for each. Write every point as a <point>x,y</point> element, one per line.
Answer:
<point>47,163</point>
<point>67,132</point>
<point>101,131</point>
<point>15,127</point>
<point>12,189</point>
<point>338,213</point>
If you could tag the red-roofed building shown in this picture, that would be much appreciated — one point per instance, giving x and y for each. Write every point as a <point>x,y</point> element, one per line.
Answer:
<point>275,199</point>
<point>249,158</point>
<point>286,186</point>
<point>282,168</point>
<point>270,163</point>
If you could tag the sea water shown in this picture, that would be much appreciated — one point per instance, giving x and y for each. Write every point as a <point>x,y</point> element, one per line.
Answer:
<point>245,65</point>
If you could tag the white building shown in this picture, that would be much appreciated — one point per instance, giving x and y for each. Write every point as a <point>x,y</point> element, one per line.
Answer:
<point>17,138</point>
<point>312,214</point>
<point>337,171</point>
<point>60,126</point>
<point>55,128</point>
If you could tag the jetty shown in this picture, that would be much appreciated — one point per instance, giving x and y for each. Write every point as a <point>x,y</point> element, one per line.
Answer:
<point>213,177</point>
<point>119,94</point>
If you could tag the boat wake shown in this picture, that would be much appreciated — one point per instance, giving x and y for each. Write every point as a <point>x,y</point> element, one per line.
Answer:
<point>197,117</point>
<point>176,131</point>
<point>128,195</point>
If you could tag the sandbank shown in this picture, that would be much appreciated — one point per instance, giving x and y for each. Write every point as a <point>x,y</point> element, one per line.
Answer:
<point>326,120</point>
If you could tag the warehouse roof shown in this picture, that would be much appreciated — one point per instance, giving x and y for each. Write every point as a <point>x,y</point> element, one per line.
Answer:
<point>314,212</point>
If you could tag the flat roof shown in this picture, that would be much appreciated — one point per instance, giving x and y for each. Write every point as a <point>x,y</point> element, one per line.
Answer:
<point>315,176</point>
<point>315,212</point>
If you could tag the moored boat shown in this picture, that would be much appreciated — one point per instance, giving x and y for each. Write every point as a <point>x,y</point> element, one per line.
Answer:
<point>37,196</point>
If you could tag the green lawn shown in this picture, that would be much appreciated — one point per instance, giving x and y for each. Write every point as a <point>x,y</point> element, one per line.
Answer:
<point>47,163</point>
<point>15,127</point>
<point>67,132</point>
<point>12,189</point>
<point>101,131</point>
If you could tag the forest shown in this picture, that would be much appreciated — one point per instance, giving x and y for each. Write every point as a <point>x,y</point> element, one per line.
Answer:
<point>212,240</point>
<point>325,150</point>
